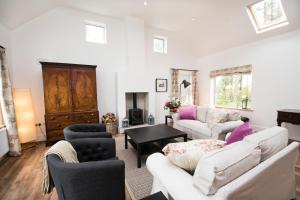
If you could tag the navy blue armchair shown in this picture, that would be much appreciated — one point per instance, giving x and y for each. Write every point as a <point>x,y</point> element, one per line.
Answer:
<point>99,175</point>
<point>86,131</point>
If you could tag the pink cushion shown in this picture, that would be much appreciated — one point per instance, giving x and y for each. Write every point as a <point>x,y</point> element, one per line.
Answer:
<point>188,112</point>
<point>239,133</point>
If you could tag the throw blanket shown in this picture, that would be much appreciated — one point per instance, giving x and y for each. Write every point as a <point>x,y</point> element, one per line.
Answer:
<point>65,151</point>
<point>186,155</point>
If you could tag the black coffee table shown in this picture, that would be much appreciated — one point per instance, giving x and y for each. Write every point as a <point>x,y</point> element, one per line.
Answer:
<point>139,137</point>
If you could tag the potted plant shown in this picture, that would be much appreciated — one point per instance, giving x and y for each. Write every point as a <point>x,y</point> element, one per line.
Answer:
<point>172,105</point>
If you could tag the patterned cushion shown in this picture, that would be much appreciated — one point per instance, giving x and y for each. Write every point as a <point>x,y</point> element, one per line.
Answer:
<point>216,116</point>
<point>187,154</point>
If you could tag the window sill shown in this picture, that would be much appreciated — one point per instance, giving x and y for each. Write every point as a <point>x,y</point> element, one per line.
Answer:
<point>238,109</point>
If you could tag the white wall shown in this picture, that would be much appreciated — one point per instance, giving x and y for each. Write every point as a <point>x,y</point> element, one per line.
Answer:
<point>59,36</point>
<point>180,55</point>
<point>276,76</point>
<point>5,42</point>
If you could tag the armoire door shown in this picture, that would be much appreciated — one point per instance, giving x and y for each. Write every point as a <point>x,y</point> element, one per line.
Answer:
<point>57,84</point>
<point>84,89</point>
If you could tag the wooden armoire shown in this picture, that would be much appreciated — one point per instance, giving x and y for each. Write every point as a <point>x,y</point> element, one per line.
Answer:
<point>70,95</point>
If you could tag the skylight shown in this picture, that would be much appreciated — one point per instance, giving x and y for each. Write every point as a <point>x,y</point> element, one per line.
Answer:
<point>267,15</point>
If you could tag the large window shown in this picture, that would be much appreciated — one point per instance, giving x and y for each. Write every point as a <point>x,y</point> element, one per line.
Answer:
<point>186,93</point>
<point>95,32</point>
<point>266,15</point>
<point>233,90</point>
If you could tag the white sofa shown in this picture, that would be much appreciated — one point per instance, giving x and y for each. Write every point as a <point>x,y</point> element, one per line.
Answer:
<point>271,179</point>
<point>199,128</point>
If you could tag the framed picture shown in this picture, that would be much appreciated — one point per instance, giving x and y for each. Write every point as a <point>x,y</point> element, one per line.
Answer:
<point>161,85</point>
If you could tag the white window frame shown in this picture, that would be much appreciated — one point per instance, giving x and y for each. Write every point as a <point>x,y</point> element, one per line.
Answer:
<point>96,24</point>
<point>213,92</point>
<point>255,24</point>
<point>165,44</point>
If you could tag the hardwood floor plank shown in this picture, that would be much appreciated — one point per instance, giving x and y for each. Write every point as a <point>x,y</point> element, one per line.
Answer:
<point>21,177</point>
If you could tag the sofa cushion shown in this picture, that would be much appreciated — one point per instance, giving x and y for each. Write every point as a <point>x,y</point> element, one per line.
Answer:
<point>234,116</point>
<point>239,133</point>
<point>219,167</point>
<point>270,141</point>
<point>201,113</point>
<point>188,112</point>
<point>216,116</point>
<point>195,126</point>
<point>187,154</point>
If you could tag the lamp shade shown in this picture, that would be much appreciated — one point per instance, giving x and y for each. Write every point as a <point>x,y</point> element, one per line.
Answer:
<point>185,83</point>
<point>24,114</point>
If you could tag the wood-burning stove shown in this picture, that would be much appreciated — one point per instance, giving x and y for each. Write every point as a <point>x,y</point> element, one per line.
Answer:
<point>136,116</point>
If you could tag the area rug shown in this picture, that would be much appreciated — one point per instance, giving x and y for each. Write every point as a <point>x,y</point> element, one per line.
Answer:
<point>138,180</point>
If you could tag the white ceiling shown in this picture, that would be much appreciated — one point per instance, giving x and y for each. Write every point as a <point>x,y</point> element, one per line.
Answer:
<point>219,24</point>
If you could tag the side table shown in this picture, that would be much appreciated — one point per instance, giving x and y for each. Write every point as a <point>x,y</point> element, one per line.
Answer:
<point>156,196</point>
<point>166,118</point>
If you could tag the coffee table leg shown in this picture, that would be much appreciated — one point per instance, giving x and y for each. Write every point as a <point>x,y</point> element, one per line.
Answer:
<point>126,141</point>
<point>185,138</point>
<point>138,146</point>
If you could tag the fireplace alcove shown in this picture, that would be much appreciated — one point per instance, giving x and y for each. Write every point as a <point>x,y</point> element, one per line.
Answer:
<point>137,107</point>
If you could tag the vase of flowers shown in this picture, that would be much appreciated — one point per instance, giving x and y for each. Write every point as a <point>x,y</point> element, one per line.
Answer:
<point>172,105</point>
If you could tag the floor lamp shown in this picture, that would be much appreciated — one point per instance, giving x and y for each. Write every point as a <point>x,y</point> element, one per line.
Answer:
<point>185,84</point>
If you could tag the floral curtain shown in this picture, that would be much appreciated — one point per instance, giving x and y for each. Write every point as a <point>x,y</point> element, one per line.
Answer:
<point>7,106</point>
<point>231,71</point>
<point>174,83</point>
<point>195,88</point>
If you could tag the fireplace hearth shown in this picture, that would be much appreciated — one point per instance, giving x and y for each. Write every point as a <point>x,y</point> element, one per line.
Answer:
<point>136,116</point>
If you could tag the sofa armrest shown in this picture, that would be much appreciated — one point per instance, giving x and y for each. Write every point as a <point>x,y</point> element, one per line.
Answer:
<point>163,171</point>
<point>94,149</point>
<point>220,129</point>
<point>90,180</point>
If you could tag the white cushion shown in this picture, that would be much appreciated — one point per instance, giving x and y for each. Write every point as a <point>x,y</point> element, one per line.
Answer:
<point>270,141</point>
<point>201,113</point>
<point>187,154</point>
<point>219,167</point>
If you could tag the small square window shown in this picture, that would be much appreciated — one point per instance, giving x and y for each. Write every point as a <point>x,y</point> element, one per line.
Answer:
<point>160,44</point>
<point>267,15</point>
<point>95,33</point>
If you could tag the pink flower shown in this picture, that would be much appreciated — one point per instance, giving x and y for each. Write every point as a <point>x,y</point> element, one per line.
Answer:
<point>174,109</point>
<point>167,104</point>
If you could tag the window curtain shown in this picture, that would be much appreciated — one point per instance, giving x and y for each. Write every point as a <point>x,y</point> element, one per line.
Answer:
<point>195,88</point>
<point>175,83</point>
<point>231,71</point>
<point>7,106</point>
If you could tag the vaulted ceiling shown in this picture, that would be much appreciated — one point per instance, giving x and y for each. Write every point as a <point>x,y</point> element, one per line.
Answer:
<point>216,24</point>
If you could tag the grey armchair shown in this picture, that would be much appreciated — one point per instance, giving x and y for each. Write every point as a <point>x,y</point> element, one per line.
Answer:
<point>99,175</point>
<point>86,131</point>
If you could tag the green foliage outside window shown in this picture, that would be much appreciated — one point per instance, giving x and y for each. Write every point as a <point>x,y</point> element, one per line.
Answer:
<point>233,91</point>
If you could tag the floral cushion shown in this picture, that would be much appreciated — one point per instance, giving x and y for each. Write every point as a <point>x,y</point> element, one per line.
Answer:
<point>215,116</point>
<point>187,154</point>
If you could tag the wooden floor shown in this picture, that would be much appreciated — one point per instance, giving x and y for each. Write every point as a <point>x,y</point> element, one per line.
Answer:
<point>21,177</point>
